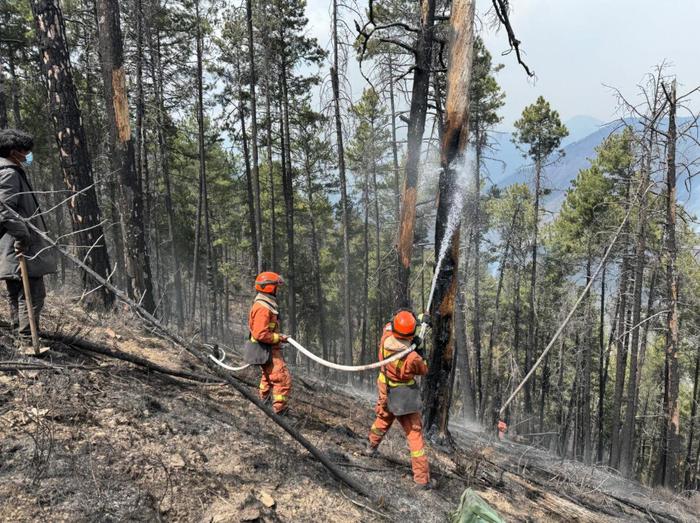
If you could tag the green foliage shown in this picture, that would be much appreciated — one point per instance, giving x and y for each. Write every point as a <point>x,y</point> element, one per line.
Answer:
<point>541,130</point>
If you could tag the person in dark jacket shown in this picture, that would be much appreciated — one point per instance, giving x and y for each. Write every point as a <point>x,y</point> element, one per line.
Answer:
<point>16,238</point>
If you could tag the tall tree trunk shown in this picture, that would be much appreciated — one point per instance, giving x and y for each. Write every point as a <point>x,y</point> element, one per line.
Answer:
<point>249,185</point>
<point>532,313</point>
<point>416,127</point>
<point>130,199</point>
<point>628,427</point>
<point>602,369</point>
<point>587,365</point>
<point>3,97</point>
<point>270,168</point>
<point>316,267</point>
<point>365,269</point>
<point>670,455</point>
<point>394,143</point>
<point>72,144</point>
<point>438,392</point>
<point>620,363</point>
<point>695,400</point>
<point>344,204</point>
<point>288,193</point>
<point>255,173</point>
<point>14,88</point>
<point>495,322</point>
<point>476,327</point>
<point>158,89</point>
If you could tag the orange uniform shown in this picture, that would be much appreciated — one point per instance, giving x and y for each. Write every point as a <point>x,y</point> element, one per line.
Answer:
<point>263,323</point>
<point>398,373</point>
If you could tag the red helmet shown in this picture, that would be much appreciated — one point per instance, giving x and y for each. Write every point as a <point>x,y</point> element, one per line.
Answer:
<point>404,324</point>
<point>268,282</point>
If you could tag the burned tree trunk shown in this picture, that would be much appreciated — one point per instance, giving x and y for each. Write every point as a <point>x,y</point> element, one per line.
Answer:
<point>419,106</point>
<point>668,470</point>
<point>3,97</point>
<point>438,383</point>
<point>344,205</point>
<point>72,144</point>
<point>130,199</point>
<point>254,171</point>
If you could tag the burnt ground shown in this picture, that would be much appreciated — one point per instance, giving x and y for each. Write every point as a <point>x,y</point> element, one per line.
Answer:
<point>89,438</point>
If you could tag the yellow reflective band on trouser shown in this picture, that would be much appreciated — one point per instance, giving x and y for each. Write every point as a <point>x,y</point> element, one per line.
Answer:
<point>418,453</point>
<point>391,383</point>
<point>275,338</point>
<point>263,386</point>
<point>375,430</point>
<point>279,397</point>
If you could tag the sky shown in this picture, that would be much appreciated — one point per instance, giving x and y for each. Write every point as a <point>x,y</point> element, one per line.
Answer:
<point>577,48</point>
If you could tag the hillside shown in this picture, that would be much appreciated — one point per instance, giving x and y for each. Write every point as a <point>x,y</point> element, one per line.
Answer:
<point>506,164</point>
<point>85,437</point>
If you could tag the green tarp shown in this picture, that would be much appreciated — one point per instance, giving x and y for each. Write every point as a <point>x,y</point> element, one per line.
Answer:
<point>473,509</point>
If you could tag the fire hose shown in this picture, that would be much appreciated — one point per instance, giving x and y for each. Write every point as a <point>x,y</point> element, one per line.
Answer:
<point>329,364</point>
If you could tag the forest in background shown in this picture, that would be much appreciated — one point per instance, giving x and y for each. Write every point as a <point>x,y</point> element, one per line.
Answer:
<point>183,146</point>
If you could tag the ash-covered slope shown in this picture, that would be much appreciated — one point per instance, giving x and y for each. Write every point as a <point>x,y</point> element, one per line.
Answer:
<point>85,438</point>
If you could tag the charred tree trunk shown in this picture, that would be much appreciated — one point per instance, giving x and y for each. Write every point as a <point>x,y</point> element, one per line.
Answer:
<point>419,105</point>
<point>14,88</point>
<point>668,471</point>
<point>495,322</point>
<point>249,186</point>
<point>344,204</point>
<point>476,327</point>
<point>394,143</point>
<point>254,171</point>
<point>158,89</point>
<point>288,193</point>
<point>72,144</point>
<point>438,390</point>
<point>3,97</point>
<point>130,198</point>
<point>532,314</point>
<point>316,267</point>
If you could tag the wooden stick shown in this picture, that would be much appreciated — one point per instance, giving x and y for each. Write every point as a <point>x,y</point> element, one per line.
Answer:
<point>28,301</point>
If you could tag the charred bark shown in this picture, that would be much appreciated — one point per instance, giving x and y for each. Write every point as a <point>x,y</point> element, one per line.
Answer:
<point>438,389</point>
<point>130,198</point>
<point>72,144</point>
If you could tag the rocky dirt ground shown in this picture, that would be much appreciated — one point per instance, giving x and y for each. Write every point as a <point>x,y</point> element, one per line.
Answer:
<point>90,438</point>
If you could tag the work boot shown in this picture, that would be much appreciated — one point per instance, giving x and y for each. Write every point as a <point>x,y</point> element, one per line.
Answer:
<point>370,451</point>
<point>430,485</point>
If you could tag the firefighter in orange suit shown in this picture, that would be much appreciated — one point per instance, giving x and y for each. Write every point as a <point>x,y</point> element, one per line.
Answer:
<point>263,323</point>
<point>398,335</point>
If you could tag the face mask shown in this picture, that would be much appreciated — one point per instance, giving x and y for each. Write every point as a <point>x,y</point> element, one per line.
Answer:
<point>28,159</point>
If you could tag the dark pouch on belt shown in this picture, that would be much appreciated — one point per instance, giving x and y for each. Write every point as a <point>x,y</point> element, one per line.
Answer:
<point>404,399</point>
<point>256,353</point>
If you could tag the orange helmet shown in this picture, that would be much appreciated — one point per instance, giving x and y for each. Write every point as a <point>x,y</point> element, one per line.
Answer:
<point>404,324</point>
<point>268,282</point>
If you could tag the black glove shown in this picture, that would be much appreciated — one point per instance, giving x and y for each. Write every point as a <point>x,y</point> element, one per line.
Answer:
<point>417,341</point>
<point>425,318</point>
<point>21,246</point>
<point>420,352</point>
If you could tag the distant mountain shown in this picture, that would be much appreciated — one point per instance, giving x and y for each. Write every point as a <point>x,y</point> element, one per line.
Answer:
<point>507,165</point>
<point>580,127</point>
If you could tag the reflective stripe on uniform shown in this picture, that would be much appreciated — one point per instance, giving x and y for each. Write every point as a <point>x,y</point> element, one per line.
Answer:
<point>391,383</point>
<point>418,453</point>
<point>275,338</point>
<point>271,325</point>
<point>373,429</point>
<point>263,386</point>
<point>279,397</point>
